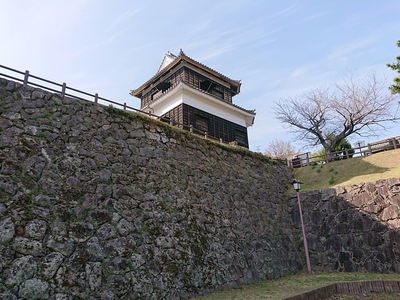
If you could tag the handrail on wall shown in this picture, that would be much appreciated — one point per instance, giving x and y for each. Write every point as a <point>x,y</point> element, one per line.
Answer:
<point>305,159</point>
<point>64,92</point>
<point>64,87</point>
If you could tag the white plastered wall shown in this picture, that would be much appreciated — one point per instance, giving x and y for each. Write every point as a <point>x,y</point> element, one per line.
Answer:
<point>187,95</point>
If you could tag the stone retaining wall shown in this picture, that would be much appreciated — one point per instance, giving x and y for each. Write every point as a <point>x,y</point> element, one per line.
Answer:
<point>96,203</point>
<point>353,228</point>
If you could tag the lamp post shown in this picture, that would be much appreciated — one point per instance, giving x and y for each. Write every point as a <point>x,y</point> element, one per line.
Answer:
<point>296,186</point>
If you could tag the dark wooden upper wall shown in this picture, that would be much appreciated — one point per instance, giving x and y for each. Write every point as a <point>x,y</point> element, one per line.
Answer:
<point>210,85</point>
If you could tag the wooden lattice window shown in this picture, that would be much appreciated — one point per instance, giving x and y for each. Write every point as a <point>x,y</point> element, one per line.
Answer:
<point>201,123</point>
<point>241,137</point>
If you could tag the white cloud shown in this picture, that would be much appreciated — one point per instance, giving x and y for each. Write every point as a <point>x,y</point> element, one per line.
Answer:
<point>350,48</point>
<point>124,17</point>
<point>301,70</point>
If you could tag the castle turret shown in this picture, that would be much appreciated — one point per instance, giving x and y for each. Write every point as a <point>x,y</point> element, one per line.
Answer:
<point>194,95</point>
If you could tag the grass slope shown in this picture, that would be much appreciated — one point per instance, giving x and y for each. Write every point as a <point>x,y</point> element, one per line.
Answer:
<point>382,165</point>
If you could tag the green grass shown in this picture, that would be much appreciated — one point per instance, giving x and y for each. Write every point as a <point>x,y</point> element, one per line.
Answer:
<point>350,171</point>
<point>293,285</point>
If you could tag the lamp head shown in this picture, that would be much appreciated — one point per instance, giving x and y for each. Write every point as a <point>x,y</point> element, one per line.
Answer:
<point>296,185</point>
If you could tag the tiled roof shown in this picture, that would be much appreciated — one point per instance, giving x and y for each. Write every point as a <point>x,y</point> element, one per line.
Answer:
<point>181,53</point>
<point>182,56</point>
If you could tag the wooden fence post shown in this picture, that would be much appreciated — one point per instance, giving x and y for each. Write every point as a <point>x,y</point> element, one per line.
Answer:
<point>26,77</point>
<point>64,87</point>
<point>205,134</point>
<point>96,98</point>
<point>369,149</point>
<point>191,128</point>
<point>124,106</point>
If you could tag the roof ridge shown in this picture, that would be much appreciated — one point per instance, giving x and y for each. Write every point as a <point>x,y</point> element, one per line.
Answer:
<point>182,55</point>
<point>167,55</point>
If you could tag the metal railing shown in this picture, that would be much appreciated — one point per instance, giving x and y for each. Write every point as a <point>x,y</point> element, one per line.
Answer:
<point>65,90</point>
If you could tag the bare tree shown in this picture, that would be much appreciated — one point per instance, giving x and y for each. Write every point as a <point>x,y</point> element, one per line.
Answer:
<point>280,149</point>
<point>325,116</point>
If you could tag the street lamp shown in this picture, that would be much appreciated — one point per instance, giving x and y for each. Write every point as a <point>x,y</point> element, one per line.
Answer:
<point>296,186</point>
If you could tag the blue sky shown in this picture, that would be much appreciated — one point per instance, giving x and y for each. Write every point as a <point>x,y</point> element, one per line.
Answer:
<point>276,48</point>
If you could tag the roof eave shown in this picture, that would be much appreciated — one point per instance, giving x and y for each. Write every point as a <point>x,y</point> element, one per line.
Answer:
<point>182,56</point>
<point>183,85</point>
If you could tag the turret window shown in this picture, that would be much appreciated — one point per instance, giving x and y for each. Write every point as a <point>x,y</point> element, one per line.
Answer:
<point>201,123</point>
<point>241,137</point>
<point>212,88</point>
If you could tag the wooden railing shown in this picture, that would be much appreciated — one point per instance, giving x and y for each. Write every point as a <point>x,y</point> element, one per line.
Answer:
<point>306,159</point>
<point>62,89</point>
<point>65,90</point>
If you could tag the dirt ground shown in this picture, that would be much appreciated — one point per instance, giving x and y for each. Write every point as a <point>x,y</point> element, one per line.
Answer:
<point>372,296</point>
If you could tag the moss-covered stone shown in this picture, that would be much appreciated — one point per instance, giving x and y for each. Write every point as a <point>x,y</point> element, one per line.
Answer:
<point>106,202</point>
